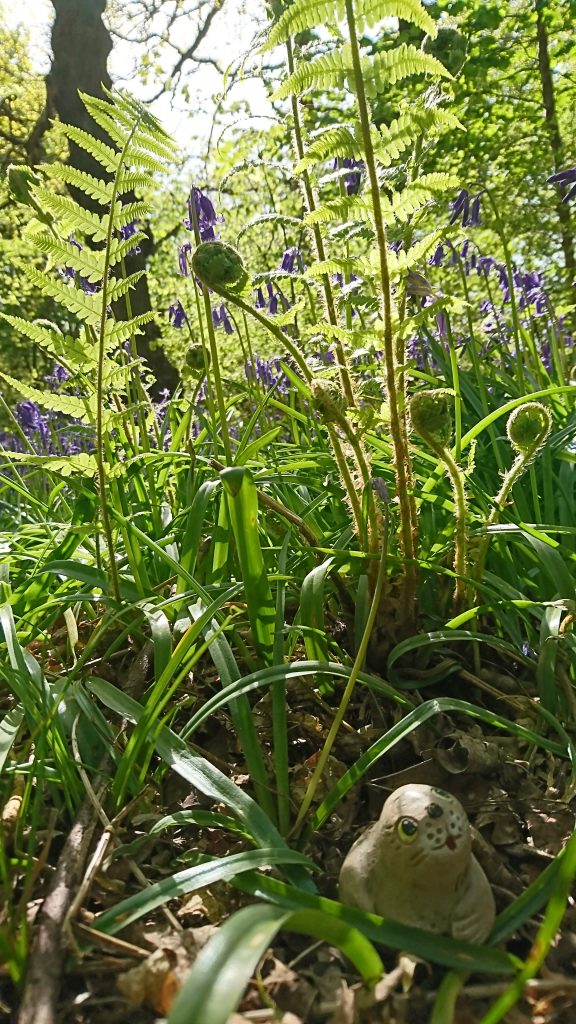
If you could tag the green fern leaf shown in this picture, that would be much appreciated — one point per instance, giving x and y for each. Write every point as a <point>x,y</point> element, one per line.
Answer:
<point>118,288</point>
<point>64,254</point>
<point>335,141</point>
<point>86,307</point>
<point>107,157</point>
<point>344,208</point>
<point>401,262</point>
<point>328,71</point>
<point>93,187</point>
<point>406,129</point>
<point>336,265</point>
<point>70,405</point>
<point>249,165</point>
<point>129,213</point>
<point>75,352</point>
<point>268,218</point>
<point>130,181</point>
<point>371,11</point>
<point>72,215</point>
<point>82,463</point>
<point>391,66</point>
<point>302,15</point>
<point>120,247</point>
<point>119,331</point>
<point>131,110</point>
<point>140,158</point>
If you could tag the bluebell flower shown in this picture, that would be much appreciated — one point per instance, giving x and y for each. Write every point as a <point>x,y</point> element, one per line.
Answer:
<point>438,255</point>
<point>291,258</point>
<point>73,241</point>
<point>176,314</point>
<point>126,232</point>
<point>465,209</point>
<point>32,421</point>
<point>353,178</point>
<point>58,377</point>
<point>221,318</point>
<point>267,372</point>
<point>183,258</point>
<point>273,300</point>
<point>89,287</point>
<point>205,215</point>
<point>565,179</point>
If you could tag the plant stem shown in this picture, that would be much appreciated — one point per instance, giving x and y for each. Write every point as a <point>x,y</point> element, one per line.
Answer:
<point>310,201</point>
<point>402,462</point>
<point>339,716</point>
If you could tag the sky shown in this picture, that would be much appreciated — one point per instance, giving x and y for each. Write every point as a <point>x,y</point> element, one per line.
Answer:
<point>230,38</point>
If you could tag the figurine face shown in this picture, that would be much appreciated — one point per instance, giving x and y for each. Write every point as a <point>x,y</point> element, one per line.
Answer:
<point>420,822</point>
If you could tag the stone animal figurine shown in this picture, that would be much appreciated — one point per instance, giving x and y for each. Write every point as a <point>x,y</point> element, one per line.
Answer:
<point>416,866</point>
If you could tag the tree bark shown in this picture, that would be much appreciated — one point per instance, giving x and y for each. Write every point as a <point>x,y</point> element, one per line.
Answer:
<point>556,144</point>
<point>81,45</point>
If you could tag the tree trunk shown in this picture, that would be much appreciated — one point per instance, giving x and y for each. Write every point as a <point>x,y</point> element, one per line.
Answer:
<point>556,145</point>
<point>81,44</point>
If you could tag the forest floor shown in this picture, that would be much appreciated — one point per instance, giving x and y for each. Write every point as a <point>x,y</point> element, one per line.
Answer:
<point>521,804</point>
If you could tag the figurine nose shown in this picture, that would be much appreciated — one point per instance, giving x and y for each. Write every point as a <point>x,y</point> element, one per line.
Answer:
<point>451,843</point>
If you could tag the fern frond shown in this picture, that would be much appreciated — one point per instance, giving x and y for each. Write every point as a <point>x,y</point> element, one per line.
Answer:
<point>328,71</point>
<point>336,265</point>
<point>391,66</point>
<point>141,158</point>
<point>76,352</point>
<point>302,15</point>
<point>93,187</point>
<point>71,214</point>
<point>123,125</point>
<point>129,213</point>
<point>371,11</point>
<point>336,141</point>
<point>86,307</point>
<point>89,264</point>
<point>129,181</point>
<point>342,209</point>
<point>401,262</point>
<point>120,247</point>
<point>406,129</point>
<point>133,109</point>
<point>118,288</point>
<point>119,331</point>
<point>70,405</point>
<point>268,218</point>
<point>107,157</point>
<point>83,463</point>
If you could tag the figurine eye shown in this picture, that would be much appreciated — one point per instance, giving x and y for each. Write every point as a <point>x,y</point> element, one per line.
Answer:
<point>434,811</point>
<point>407,829</point>
<point>441,792</point>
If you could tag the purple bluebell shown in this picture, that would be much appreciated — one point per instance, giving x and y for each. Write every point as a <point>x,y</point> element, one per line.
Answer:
<point>58,377</point>
<point>292,257</point>
<point>438,255</point>
<point>267,372</point>
<point>177,314</point>
<point>273,300</point>
<point>31,420</point>
<point>221,318</point>
<point>205,215</point>
<point>565,179</point>
<point>353,177</point>
<point>126,232</point>
<point>183,258</point>
<point>465,209</point>
<point>89,287</point>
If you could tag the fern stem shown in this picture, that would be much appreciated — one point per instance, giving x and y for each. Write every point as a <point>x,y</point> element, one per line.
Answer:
<point>214,359</point>
<point>100,374</point>
<point>402,462</point>
<point>310,201</point>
